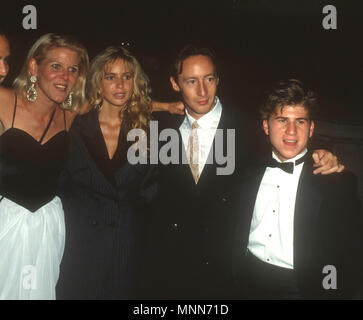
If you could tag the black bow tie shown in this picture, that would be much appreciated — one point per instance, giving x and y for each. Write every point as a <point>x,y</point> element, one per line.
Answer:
<point>286,166</point>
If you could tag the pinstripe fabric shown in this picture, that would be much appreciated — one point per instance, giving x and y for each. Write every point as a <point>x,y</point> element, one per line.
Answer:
<point>104,221</point>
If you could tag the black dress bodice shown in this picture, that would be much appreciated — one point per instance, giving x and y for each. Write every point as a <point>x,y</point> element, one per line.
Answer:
<point>29,169</point>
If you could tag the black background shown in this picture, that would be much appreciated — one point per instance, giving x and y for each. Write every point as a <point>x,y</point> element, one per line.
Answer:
<point>257,41</point>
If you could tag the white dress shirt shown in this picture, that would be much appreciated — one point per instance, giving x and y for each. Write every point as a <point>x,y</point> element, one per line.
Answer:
<point>206,131</point>
<point>272,228</point>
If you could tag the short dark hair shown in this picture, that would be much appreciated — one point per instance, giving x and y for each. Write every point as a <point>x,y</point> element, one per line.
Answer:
<point>190,51</point>
<point>291,92</point>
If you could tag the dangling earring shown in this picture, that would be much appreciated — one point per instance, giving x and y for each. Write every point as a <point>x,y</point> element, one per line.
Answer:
<point>69,100</point>
<point>100,98</point>
<point>31,93</point>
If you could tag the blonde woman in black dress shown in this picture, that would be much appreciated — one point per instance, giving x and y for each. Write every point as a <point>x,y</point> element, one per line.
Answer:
<point>34,145</point>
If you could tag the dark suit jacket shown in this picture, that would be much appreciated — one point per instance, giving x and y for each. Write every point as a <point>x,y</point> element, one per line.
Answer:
<point>104,221</point>
<point>191,234</point>
<point>327,230</point>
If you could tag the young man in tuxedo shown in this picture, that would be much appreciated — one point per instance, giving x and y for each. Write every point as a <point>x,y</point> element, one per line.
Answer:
<point>298,235</point>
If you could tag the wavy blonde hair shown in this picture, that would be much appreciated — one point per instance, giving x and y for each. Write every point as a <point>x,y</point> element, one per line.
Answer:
<point>39,51</point>
<point>137,112</point>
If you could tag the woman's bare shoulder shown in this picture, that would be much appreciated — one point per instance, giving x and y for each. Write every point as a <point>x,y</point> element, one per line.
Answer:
<point>7,101</point>
<point>6,95</point>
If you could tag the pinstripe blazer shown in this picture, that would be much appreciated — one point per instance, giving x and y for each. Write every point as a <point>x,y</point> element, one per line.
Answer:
<point>104,220</point>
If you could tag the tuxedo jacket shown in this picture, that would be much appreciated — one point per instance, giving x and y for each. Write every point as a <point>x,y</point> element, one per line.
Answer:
<point>327,231</point>
<point>191,235</point>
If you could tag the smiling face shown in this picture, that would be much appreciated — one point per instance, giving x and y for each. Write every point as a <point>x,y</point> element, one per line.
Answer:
<point>4,56</point>
<point>56,74</point>
<point>289,131</point>
<point>117,83</point>
<point>197,84</point>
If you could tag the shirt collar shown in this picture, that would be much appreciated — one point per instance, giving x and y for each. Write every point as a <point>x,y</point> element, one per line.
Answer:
<point>208,121</point>
<point>300,155</point>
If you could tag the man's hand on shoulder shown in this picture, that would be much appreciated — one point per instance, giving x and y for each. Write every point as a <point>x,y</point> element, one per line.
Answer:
<point>326,162</point>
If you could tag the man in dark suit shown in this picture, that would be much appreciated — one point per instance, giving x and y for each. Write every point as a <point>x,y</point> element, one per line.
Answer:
<point>298,235</point>
<point>192,232</point>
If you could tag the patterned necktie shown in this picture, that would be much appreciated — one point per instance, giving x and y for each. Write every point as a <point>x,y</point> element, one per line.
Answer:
<point>194,152</point>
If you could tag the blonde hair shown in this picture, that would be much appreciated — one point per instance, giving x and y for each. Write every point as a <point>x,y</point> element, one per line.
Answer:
<point>137,113</point>
<point>39,51</point>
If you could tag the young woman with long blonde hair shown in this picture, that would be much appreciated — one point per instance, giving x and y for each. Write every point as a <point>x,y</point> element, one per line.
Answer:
<point>104,196</point>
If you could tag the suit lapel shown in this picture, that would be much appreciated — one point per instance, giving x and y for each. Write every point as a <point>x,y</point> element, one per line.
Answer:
<point>209,170</point>
<point>307,207</point>
<point>184,169</point>
<point>247,198</point>
<point>87,129</point>
<point>180,171</point>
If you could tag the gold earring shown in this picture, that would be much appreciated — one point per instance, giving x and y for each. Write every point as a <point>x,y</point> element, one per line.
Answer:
<point>31,93</point>
<point>99,107</point>
<point>69,100</point>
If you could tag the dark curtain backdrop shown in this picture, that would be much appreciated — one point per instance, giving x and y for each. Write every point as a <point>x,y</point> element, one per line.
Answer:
<point>256,41</point>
